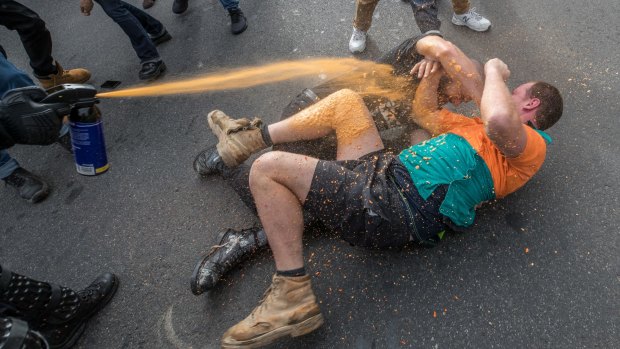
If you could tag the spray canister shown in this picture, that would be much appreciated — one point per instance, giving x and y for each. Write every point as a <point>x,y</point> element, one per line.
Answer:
<point>87,140</point>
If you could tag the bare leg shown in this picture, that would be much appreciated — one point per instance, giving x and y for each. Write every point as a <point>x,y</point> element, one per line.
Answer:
<point>280,183</point>
<point>342,112</point>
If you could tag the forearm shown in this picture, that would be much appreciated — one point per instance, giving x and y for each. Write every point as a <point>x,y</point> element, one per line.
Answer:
<point>499,114</point>
<point>425,105</point>
<point>457,65</point>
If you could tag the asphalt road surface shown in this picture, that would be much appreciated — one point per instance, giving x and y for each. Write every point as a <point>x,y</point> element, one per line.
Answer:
<point>539,270</point>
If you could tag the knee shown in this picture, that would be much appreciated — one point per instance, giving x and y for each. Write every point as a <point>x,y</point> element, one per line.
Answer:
<point>263,167</point>
<point>347,93</point>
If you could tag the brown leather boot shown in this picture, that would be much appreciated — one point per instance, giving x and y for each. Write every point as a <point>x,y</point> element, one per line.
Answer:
<point>288,308</point>
<point>71,76</point>
<point>238,138</point>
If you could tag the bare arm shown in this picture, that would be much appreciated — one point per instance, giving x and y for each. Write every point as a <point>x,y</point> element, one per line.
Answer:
<point>457,65</point>
<point>498,112</point>
<point>425,107</point>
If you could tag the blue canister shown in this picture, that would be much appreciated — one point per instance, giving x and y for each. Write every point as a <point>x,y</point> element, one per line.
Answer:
<point>87,141</point>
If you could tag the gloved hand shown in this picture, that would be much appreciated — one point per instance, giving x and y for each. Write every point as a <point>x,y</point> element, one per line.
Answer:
<point>23,120</point>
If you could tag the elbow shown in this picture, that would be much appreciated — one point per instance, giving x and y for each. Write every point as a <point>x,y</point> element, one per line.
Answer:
<point>445,50</point>
<point>497,124</point>
<point>436,47</point>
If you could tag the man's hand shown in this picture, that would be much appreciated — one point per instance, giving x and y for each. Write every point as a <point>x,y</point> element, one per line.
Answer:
<point>497,66</point>
<point>425,67</point>
<point>23,120</point>
<point>86,6</point>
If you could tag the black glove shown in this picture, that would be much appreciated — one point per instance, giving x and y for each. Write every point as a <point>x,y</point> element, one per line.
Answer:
<point>23,120</point>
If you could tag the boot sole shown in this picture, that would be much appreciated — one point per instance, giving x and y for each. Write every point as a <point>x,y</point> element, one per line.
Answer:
<point>296,330</point>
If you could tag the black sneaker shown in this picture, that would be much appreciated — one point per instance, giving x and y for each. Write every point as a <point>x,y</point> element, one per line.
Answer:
<point>238,23</point>
<point>29,186</point>
<point>179,6</point>
<point>152,70</point>
<point>209,162</point>
<point>92,299</point>
<point>65,142</point>
<point>233,247</point>
<point>161,37</point>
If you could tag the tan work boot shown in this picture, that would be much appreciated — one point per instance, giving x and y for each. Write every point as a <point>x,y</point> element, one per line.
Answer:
<point>238,138</point>
<point>288,308</point>
<point>71,76</point>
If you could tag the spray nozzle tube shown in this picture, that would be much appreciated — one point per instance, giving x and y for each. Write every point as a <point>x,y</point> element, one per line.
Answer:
<point>77,95</point>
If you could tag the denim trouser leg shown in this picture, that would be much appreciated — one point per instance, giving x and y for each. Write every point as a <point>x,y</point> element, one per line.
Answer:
<point>12,77</point>
<point>7,164</point>
<point>426,15</point>
<point>230,4</point>
<point>137,24</point>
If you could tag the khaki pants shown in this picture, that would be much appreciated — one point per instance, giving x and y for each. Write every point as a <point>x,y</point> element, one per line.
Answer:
<point>365,8</point>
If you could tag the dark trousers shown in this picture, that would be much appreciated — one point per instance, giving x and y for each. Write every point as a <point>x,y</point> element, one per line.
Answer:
<point>34,35</point>
<point>137,24</point>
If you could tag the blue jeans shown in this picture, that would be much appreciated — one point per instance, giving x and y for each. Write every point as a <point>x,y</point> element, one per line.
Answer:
<point>137,24</point>
<point>10,78</point>
<point>230,4</point>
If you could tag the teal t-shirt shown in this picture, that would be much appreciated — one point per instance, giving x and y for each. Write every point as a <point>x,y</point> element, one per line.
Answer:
<point>450,159</point>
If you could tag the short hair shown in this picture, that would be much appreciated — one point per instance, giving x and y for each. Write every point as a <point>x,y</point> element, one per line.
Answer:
<point>551,104</point>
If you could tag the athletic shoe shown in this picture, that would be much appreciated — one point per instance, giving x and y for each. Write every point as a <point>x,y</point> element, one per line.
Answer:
<point>472,20</point>
<point>358,41</point>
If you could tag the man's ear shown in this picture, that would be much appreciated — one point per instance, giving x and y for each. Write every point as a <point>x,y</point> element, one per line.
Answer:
<point>532,104</point>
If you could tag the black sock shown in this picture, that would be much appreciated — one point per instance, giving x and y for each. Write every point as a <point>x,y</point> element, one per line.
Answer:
<point>294,272</point>
<point>264,132</point>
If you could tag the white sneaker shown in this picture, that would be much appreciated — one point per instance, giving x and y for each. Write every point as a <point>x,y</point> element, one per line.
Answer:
<point>472,20</point>
<point>358,41</point>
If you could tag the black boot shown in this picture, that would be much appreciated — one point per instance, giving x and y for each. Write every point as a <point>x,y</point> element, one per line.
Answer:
<point>160,38</point>
<point>152,70</point>
<point>29,186</point>
<point>179,6</point>
<point>209,162</point>
<point>16,334</point>
<point>238,23</point>
<point>58,313</point>
<point>233,247</point>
